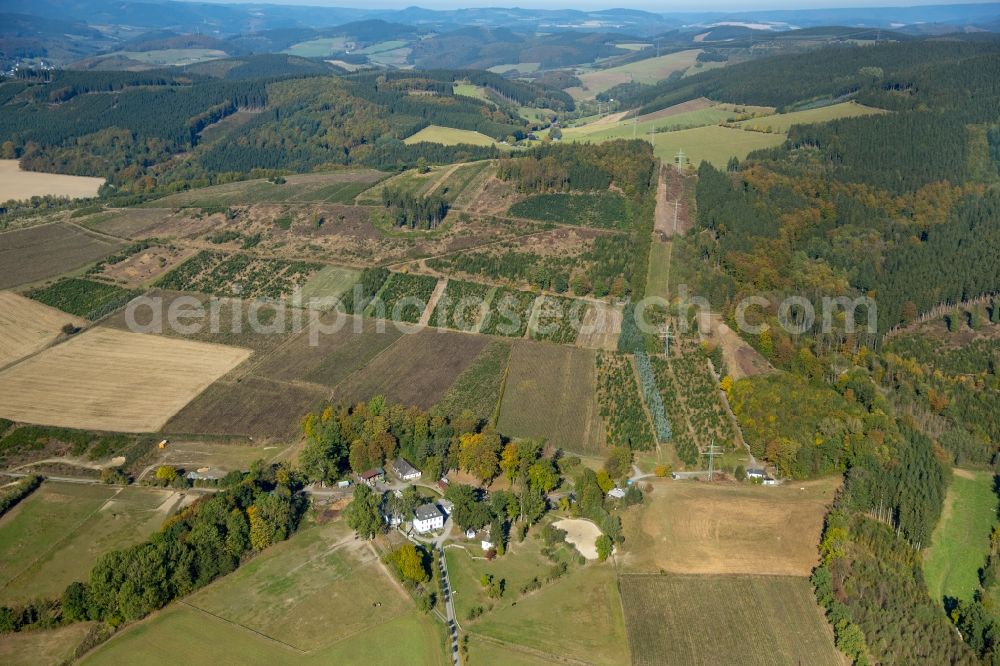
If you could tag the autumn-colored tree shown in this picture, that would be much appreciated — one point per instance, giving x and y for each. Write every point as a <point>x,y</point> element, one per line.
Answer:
<point>409,563</point>
<point>509,461</point>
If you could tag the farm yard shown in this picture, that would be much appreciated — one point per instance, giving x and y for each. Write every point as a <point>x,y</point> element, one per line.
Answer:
<point>27,326</point>
<point>57,534</point>
<point>692,527</point>
<point>708,620</point>
<point>550,394</point>
<point>95,380</point>
<point>45,251</point>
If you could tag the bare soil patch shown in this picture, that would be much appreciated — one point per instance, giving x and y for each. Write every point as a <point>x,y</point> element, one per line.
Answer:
<point>699,528</point>
<point>111,380</point>
<point>38,253</point>
<point>146,265</point>
<point>27,326</point>
<point>582,534</point>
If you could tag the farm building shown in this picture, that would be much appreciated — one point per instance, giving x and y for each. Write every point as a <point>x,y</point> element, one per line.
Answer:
<point>404,470</point>
<point>373,476</point>
<point>447,506</point>
<point>486,545</point>
<point>206,474</point>
<point>392,519</point>
<point>616,493</point>
<point>427,517</point>
<point>756,473</point>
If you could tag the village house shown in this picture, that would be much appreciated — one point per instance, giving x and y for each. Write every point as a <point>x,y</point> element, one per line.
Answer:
<point>373,476</point>
<point>427,517</point>
<point>404,470</point>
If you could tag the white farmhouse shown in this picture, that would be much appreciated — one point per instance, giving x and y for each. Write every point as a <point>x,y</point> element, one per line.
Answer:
<point>427,517</point>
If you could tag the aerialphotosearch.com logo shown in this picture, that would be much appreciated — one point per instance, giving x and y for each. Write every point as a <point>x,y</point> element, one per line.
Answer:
<point>507,315</point>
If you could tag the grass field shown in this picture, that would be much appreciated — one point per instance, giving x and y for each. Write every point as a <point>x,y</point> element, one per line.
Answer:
<point>695,528</point>
<point>315,589</point>
<point>709,620</point>
<point>27,326</point>
<point>42,252</point>
<point>961,540</point>
<point>416,370</point>
<point>469,90</point>
<point>331,187</point>
<point>647,71</point>
<point>485,651</point>
<point>712,144</point>
<point>658,274</point>
<point>317,48</point>
<point>56,535</point>
<point>449,136</point>
<point>579,616</point>
<point>173,57</point>
<point>331,282</point>
<point>42,648</point>
<point>106,379</point>
<point>181,634</point>
<point>253,406</point>
<point>550,393</point>
<point>627,129</point>
<point>782,122</point>
<point>18,184</point>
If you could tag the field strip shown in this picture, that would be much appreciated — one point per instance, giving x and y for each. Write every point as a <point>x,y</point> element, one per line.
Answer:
<point>425,316</point>
<point>333,391</point>
<point>524,649</point>
<point>94,233</point>
<point>444,176</point>
<point>66,536</point>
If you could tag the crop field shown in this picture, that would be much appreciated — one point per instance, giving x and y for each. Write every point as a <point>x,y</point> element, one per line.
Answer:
<point>509,313</point>
<point>621,407</point>
<point>708,620</point>
<point>696,528</point>
<point>336,354</point>
<point>182,634</point>
<point>603,209</point>
<point>478,388</point>
<point>252,406</point>
<point>42,252</point>
<point>713,144</point>
<point>579,616</point>
<point>83,298</point>
<point>106,379</point>
<point>403,297</point>
<point>782,122</point>
<point>961,540</point>
<point>462,306</point>
<point>550,394</point>
<point>601,327</point>
<point>18,184</point>
<point>449,136</point>
<point>315,589</point>
<point>556,319</point>
<point>27,327</point>
<point>647,71</point>
<point>332,187</point>
<point>239,275</point>
<point>415,370</point>
<point>56,535</point>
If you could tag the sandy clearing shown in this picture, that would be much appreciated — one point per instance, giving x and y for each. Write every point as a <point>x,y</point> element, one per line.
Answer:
<point>106,379</point>
<point>18,184</point>
<point>26,326</point>
<point>582,534</point>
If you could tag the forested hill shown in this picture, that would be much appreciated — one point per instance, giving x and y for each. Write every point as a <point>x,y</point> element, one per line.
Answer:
<point>291,114</point>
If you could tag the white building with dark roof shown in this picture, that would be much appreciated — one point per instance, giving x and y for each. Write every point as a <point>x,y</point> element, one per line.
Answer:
<point>427,517</point>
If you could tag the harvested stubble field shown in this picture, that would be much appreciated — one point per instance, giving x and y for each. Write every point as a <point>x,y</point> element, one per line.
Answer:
<point>449,136</point>
<point>709,620</point>
<point>18,184</point>
<point>106,379</point>
<point>249,406</point>
<point>333,187</point>
<point>727,528</point>
<point>27,326</point>
<point>550,393</point>
<point>57,534</point>
<point>38,253</point>
<point>416,370</point>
